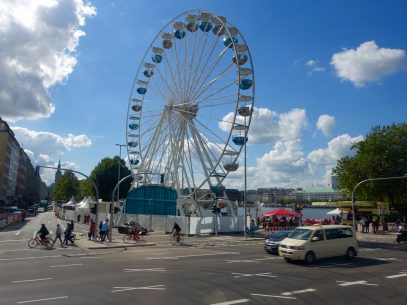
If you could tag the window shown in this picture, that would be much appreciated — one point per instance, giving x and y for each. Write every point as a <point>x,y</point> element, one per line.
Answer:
<point>319,234</point>
<point>338,233</point>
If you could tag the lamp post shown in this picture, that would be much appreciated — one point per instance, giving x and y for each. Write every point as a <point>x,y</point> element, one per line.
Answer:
<point>118,174</point>
<point>363,181</point>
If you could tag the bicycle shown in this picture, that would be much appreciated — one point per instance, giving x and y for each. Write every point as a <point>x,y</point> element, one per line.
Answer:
<point>133,236</point>
<point>176,238</point>
<point>36,241</point>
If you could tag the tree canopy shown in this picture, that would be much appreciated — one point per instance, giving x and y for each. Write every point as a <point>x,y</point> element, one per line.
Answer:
<point>66,187</point>
<point>105,175</point>
<point>382,154</point>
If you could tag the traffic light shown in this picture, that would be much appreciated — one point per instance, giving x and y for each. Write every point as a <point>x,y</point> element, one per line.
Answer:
<point>93,210</point>
<point>116,210</point>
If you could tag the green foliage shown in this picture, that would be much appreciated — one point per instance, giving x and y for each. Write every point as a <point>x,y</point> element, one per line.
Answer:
<point>86,188</point>
<point>105,175</point>
<point>66,187</point>
<point>382,154</point>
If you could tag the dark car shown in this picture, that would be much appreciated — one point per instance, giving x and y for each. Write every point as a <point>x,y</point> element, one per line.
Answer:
<point>124,229</point>
<point>271,244</point>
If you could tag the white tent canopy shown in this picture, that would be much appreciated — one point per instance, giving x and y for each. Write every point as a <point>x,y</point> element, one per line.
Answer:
<point>84,204</point>
<point>70,203</point>
<point>337,211</point>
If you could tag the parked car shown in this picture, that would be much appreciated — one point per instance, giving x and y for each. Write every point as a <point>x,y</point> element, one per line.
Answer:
<point>272,243</point>
<point>124,228</point>
<point>40,210</point>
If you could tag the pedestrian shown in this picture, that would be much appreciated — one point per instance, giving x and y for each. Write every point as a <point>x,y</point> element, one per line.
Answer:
<point>92,230</point>
<point>107,228</point>
<point>58,233</point>
<point>72,226</point>
<point>100,230</point>
<point>363,224</point>
<point>79,218</point>
<point>103,231</point>
<point>68,234</point>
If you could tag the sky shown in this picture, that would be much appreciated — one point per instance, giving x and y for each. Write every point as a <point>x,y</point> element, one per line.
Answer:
<point>326,72</point>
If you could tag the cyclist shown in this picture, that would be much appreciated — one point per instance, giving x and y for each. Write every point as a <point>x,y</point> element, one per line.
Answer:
<point>176,229</point>
<point>43,232</point>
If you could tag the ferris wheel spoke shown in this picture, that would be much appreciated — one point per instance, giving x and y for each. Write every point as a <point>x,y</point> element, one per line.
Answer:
<point>198,65</point>
<point>209,70</point>
<point>167,88</point>
<point>209,84</point>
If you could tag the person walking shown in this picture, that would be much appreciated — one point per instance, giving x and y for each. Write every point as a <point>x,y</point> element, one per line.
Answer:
<point>58,233</point>
<point>68,235</point>
<point>103,231</point>
<point>79,218</point>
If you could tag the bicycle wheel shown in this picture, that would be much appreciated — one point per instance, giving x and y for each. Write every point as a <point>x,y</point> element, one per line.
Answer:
<point>48,244</point>
<point>138,238</point>
<point>127,239</point>
<point>181,239</point>
<point>32,243</point>
<point>173,240</point>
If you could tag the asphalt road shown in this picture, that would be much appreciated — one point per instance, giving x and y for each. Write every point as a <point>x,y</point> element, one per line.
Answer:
<point>228,271</point>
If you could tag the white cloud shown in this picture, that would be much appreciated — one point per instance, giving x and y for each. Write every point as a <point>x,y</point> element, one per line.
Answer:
<point>368,63</point>
<point>337,148</point>
<point>268,126</point>
<point>316,68</point>
<point>326,123</point>
<point>38,42</point>
<point>47,143</point>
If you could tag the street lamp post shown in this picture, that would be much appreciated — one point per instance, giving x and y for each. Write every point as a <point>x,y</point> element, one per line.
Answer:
<point>366,180</point>
<point>118,175</point>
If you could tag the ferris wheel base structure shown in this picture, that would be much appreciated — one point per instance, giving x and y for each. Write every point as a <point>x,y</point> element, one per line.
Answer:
<point>155,199</point>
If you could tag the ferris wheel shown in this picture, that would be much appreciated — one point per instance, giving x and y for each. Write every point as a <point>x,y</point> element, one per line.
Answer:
<point>191,105</point>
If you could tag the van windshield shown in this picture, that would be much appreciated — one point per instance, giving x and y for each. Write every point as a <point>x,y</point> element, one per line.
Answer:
<point>301,234</point>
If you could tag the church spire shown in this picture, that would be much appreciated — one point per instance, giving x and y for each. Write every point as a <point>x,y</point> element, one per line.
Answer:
<point>58,174</point>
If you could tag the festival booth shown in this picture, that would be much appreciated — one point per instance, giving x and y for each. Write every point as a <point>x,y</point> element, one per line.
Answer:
<point>278,221</point>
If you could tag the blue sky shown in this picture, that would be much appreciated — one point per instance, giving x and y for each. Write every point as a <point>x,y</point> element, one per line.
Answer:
<point>326,72</point>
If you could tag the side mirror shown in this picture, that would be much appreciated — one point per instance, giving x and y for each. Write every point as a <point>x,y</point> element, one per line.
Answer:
<point>316,238</point>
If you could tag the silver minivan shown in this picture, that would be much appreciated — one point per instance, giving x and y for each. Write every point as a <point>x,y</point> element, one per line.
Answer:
<point>312,242</point>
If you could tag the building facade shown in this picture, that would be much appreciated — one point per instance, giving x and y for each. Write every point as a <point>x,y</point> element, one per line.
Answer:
<point>19,184</point>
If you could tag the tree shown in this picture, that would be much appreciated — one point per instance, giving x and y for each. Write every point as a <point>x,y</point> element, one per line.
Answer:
<point>86,188</point>
<point>382,154</point>
<point>66,187</point>
<point>105,176</point>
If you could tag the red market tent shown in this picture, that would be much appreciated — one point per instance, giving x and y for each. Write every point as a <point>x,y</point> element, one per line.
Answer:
<point>281,212</point>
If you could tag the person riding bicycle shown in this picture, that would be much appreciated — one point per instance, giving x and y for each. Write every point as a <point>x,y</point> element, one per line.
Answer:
<point>176,229</point>
<point>43,232</point>
<point>135,227</point>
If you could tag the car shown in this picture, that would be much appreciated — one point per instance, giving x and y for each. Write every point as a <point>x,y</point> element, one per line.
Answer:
<point>309,243</point>
<point>40,210</point>
<point>124,229</point>
<point>272,243</point>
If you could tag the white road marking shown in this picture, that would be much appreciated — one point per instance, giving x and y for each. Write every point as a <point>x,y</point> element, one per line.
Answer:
<point>57,266</point>
<point>33,280</point>
<point>255,260</point>
<point>89,257</point>
<point>29,257</point>
<point>299,291</point>
<point>344,283</point>
<point>401,274</point>
<point>386,258</point>
<point>265,274</point>
<point>192,255</point>
<point>233,302</point>
<point>156,287</point>
<point>13,240</point>
<point>137,270</point>
<point>17,250</point>
<point>40,300</point>
<point>273,296</point>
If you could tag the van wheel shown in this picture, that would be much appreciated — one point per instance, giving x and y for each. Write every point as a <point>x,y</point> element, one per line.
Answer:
<point>309,258</point>
<point>350,253</point>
